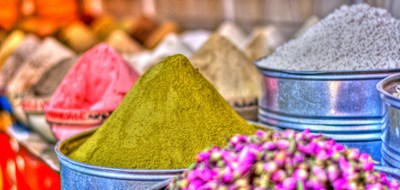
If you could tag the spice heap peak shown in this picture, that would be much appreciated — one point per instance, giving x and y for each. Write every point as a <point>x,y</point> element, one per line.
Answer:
<point>170,115</point>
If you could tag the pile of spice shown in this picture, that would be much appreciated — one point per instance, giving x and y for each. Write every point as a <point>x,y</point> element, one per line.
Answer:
<point>359,37</point>
<point>229,70</point>
<point>123,43</point>
<point>194,39</point>
<point>170,45</point>
<point>263,41</point>
<point>287,160</point>
<point>78,36</point>
<point>232,32</point>
<point>170,115</point>
<point>103,26</point>
<point>97,82</point>
<point>27,47</point>
<point>160,33</point>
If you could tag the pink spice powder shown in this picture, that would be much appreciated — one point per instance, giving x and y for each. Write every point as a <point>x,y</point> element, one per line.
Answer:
<point>97,82</point>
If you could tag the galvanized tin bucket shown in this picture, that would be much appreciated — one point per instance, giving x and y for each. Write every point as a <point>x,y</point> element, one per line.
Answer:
<point>391,128</point>
<point>342,105</point>
<point>77,175</point>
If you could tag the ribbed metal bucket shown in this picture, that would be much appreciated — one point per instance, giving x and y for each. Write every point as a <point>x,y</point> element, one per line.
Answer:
<point>391,128</point>
<point>341,105</point>
<point>77,175</point>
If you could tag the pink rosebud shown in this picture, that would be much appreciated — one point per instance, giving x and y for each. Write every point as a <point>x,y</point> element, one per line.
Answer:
<point>299,136</point>
<point>227,176</point>
<point>276,135</point>
<point>349,175</point>
<point>313,183</point>
<point>244,168</point>
<point>333,173</point>
<point>283,144</point>
<point>322,155</point>
<point>278,176</point>
<point>269,146</point>
<point>280,158</point>
<point>320,174</point>
<point>353,154</point>
<point>370,178</point>
<point>289,183</point>
<point>307,149</point>
<point>203,156</point>
<point>206,175</point>
<point>215,156</point>
<point>300,173</point>
<point>339,184</point>
<point>305,132</point>
<point>344,165</point>
<point>247,155</point>
<point>260,133</point>
<point>364,157</point>
<point>351,186</point>
<point>270,167</point>
<point>289,134</point>
<point>383,178</point>
<point>339,148</point>
<point>298,157</point>
<point>394,185</point>
<point>209,186</point>
<point>376,186</point>
<point>195,184</point>
<point>239,147</point>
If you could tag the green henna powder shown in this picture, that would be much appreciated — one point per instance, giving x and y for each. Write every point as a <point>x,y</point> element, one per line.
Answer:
<point>171,114</point>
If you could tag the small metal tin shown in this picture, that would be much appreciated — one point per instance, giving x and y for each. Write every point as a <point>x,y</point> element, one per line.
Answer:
<point>343,105</point>
<point>391,128</point>
<point>77,175</point>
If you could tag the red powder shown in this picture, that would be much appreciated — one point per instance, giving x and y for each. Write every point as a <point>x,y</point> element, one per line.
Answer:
<point>97,82</point>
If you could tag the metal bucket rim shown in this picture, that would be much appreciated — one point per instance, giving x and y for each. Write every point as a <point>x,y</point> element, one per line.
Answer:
<point>384,82</point>
<point>326,74</point>
<point>120,173</point>
<point>64,158</point>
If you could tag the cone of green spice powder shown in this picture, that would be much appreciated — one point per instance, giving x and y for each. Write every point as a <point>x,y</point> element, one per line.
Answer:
<point>170,115</point>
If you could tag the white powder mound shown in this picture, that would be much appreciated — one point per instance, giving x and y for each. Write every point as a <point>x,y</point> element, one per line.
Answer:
<point>359,37</point>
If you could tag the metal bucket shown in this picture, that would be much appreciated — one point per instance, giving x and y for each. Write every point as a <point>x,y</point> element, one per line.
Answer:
<point>342,105</point>
<point>391,128</point>
<point>77,175</point>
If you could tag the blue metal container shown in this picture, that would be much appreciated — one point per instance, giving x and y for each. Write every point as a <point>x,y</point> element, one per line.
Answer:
<point>391,128</point>
<point>343,105</point>
<point>77,175</point>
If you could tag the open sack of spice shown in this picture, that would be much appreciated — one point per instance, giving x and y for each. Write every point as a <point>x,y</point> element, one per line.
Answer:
<point>29,75</point>
<point>282,160</point>
<point>90,91</point>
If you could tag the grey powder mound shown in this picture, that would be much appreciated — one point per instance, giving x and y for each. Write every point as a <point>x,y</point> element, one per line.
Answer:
<point>359,37</point>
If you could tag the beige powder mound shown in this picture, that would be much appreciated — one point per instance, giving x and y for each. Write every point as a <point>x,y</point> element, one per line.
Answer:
<point>229,70</point>
<point>263,41</point>
<point>124,44</point>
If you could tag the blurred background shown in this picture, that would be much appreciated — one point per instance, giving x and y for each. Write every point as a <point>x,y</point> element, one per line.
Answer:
<point>288,15</point>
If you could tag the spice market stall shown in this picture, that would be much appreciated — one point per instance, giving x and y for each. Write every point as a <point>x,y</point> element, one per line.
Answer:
<point>218,95</point>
